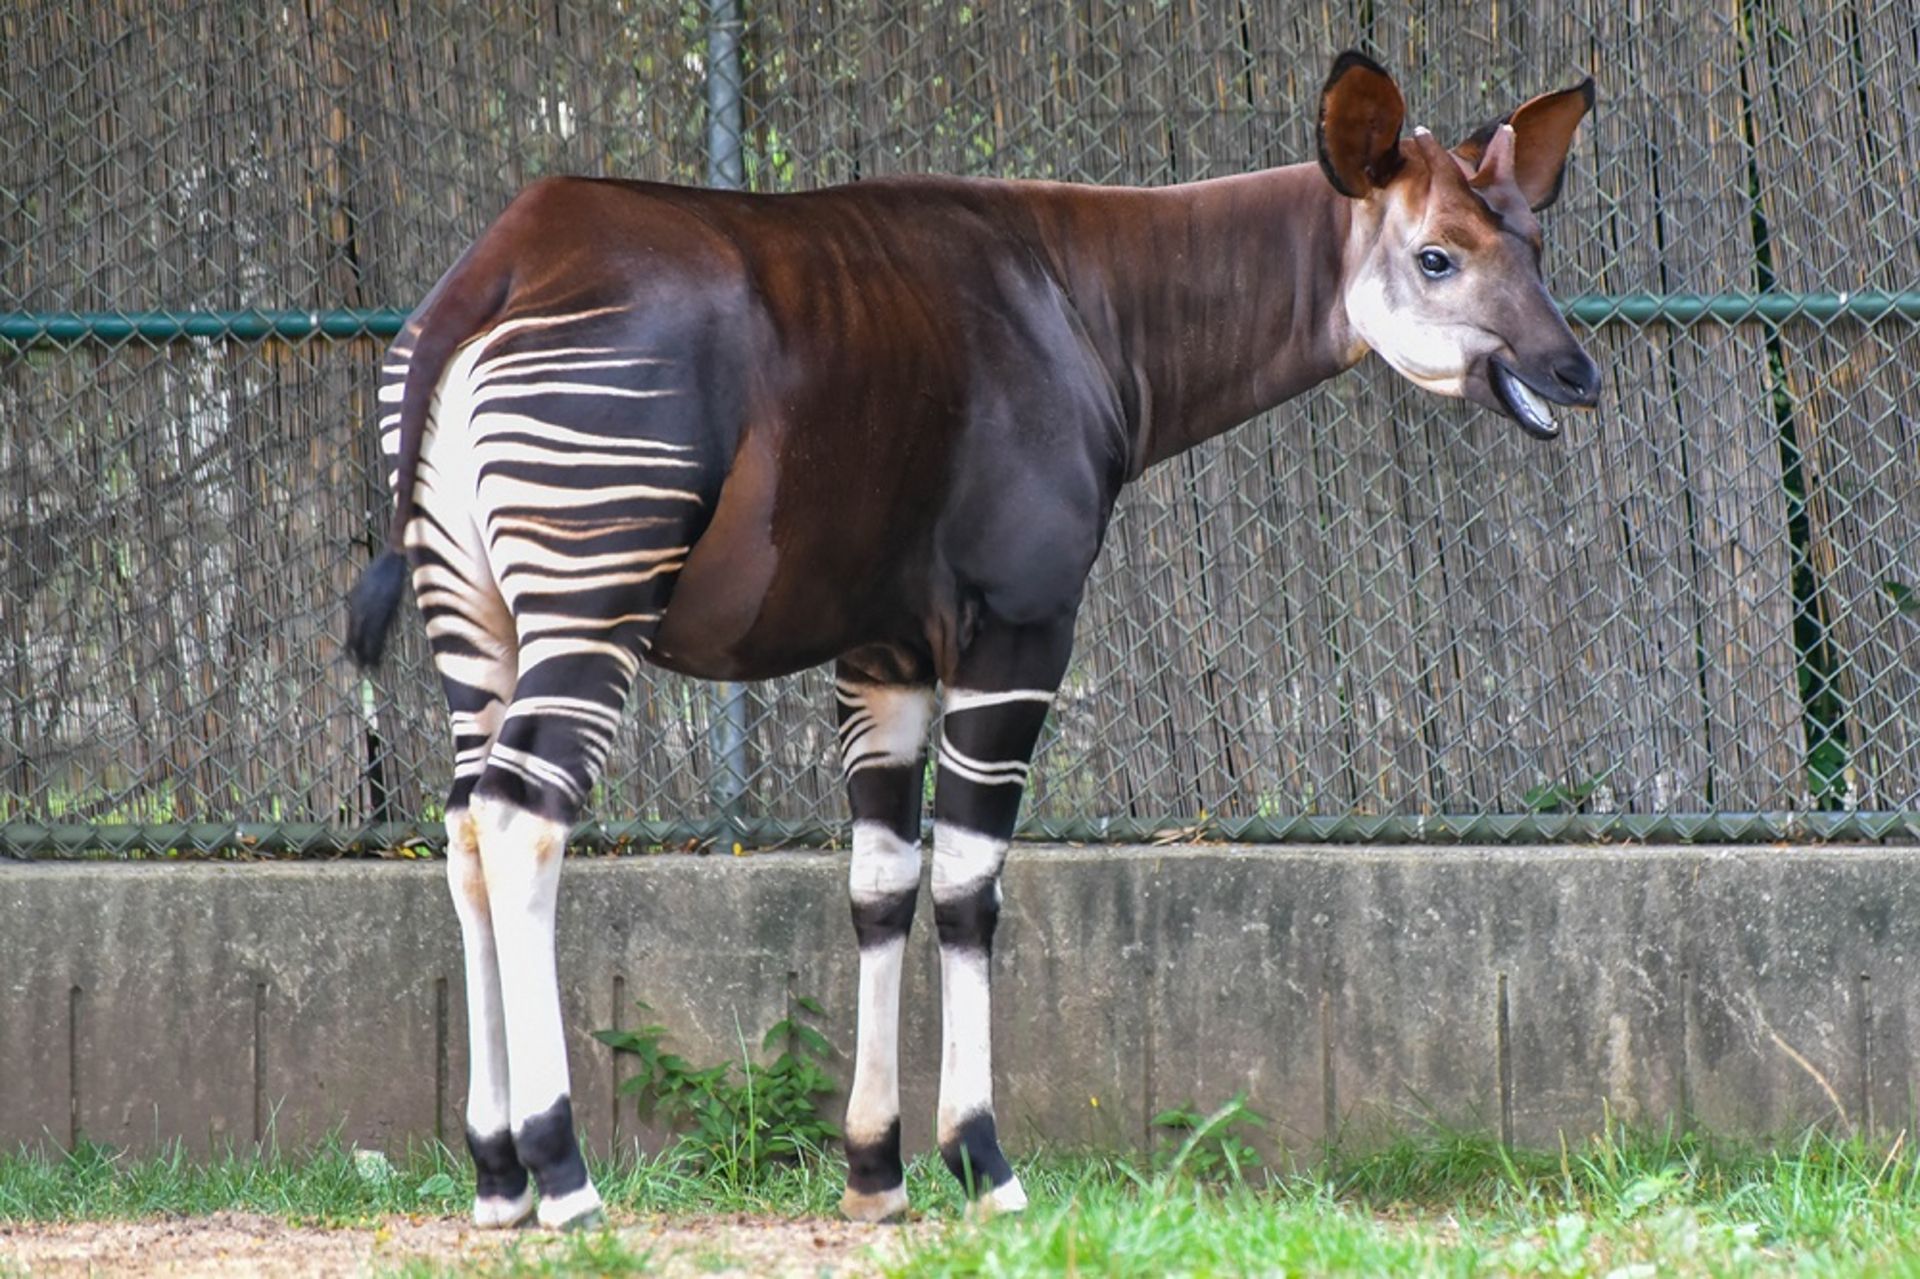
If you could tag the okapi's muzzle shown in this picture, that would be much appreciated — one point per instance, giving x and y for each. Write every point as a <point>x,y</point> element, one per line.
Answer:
<point>1524,389</point>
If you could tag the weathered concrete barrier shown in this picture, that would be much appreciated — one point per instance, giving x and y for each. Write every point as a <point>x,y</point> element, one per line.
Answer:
<point>1746,990</point>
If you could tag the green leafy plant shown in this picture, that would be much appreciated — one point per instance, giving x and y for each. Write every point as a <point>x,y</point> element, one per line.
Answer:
<point>737,1121</point>
<point>1206,1147</point>
<point>1563,797</point>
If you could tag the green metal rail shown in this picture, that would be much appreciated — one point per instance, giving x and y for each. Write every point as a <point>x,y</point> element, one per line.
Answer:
<point>116,328</point>
<point>30,839</point>
<point>34,840</point>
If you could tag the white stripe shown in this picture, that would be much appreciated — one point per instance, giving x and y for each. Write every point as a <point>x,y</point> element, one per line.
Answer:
<point>519,366</point>
<point>516,451</point>
<point>485,423</point>
<point>486,394</point>
<point>1010,772</point>
<point>567,708</point>
<point>507,328</point>
<point>539,648</point>
<point>499,490</point>
<point>553,353</point>
<point>961,699</point>
<point>534,769</point>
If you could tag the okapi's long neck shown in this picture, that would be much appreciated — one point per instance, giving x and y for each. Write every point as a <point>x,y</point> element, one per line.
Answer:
<point>1212,301</point>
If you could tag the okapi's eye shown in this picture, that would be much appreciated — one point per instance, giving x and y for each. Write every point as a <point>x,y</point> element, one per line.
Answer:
<point>1435,263</point>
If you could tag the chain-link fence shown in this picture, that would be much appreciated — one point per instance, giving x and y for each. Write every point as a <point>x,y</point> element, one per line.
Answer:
<point>1370,614</point>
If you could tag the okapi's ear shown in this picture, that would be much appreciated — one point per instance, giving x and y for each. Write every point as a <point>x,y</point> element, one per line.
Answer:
<point>1543,130</point>
<point>1360,116</point>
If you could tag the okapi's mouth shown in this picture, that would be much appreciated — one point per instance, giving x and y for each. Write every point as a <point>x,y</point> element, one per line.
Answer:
<point>1524,403</point>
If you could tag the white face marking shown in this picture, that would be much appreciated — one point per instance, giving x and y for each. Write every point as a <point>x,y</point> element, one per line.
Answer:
<point>1428,331</point>
<point>1431,352</point>
<point>1431,331</point>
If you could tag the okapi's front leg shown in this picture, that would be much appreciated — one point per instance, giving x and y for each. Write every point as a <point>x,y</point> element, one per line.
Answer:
<point>883,749</point>
<point>994,709</point>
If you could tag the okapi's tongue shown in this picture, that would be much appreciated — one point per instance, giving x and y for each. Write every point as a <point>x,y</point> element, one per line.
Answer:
<point>1523,403</point>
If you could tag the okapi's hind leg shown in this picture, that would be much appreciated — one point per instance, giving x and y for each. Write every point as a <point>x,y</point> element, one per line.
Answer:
<point>503,1196</point>
<point>883,750</point>
<point>552,745</point>
<point>994,708</point>
<point>476,653</point>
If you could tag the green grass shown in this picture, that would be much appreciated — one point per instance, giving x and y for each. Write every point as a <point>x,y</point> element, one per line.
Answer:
<point>1625,1206</point>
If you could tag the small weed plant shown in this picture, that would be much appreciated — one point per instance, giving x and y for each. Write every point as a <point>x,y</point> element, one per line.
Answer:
<point>1206,1147</point>
<point>737,1121</point>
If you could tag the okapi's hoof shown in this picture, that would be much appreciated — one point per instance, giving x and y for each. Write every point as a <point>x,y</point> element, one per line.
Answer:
<point>879,1205</point>
<point>1006,1197</point>
<point>576,1210</point>
<point>493,1213</point>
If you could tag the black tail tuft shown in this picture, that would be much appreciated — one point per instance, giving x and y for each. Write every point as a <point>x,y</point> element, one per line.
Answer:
<point>371,606</point>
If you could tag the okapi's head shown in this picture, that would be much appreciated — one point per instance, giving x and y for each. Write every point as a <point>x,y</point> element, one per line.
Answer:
<point>1442,267</point>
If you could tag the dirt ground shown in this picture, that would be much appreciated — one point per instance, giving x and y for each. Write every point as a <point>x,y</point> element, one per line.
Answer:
<point>236,1244</point>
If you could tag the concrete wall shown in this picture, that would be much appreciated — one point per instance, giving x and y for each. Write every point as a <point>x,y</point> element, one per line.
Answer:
<point>1343,989</point>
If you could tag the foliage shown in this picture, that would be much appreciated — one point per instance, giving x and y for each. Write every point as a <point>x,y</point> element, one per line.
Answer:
<point>735,1129</point>
<point>1206,1147</point>
<point>1563,797</point>
<point>1620,1205</point>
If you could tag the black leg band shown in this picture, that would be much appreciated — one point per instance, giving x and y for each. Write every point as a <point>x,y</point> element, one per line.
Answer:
<point>497,1170</point>
<point>546,1145</point>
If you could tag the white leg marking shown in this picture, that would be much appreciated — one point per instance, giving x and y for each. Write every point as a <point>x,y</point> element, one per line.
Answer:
<point>966,1042</point>
<point>503,1214</point>
<point>521,854</point>
<point>486,1021</point>
<point>873,1104</point>
<point>962,861</point>
<point>576,1207</point>
<point>880,1206</point>
<point>882,867</point>
<point>1007,1198</point>
<point>962,858</point>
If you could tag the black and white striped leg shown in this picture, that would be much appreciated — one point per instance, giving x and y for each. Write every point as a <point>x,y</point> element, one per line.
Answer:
<point>993,713</point>
<point>552,744</point>
<point>883,749</point>
<point>475,651</point>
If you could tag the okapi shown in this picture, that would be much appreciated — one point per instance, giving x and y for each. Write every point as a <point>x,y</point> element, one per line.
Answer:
<point>884,425</point>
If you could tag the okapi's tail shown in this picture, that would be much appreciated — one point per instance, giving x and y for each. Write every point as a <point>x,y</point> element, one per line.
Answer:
<point>465,299</point>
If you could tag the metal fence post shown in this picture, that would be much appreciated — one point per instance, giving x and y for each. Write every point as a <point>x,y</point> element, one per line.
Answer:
<point>726,170</point>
